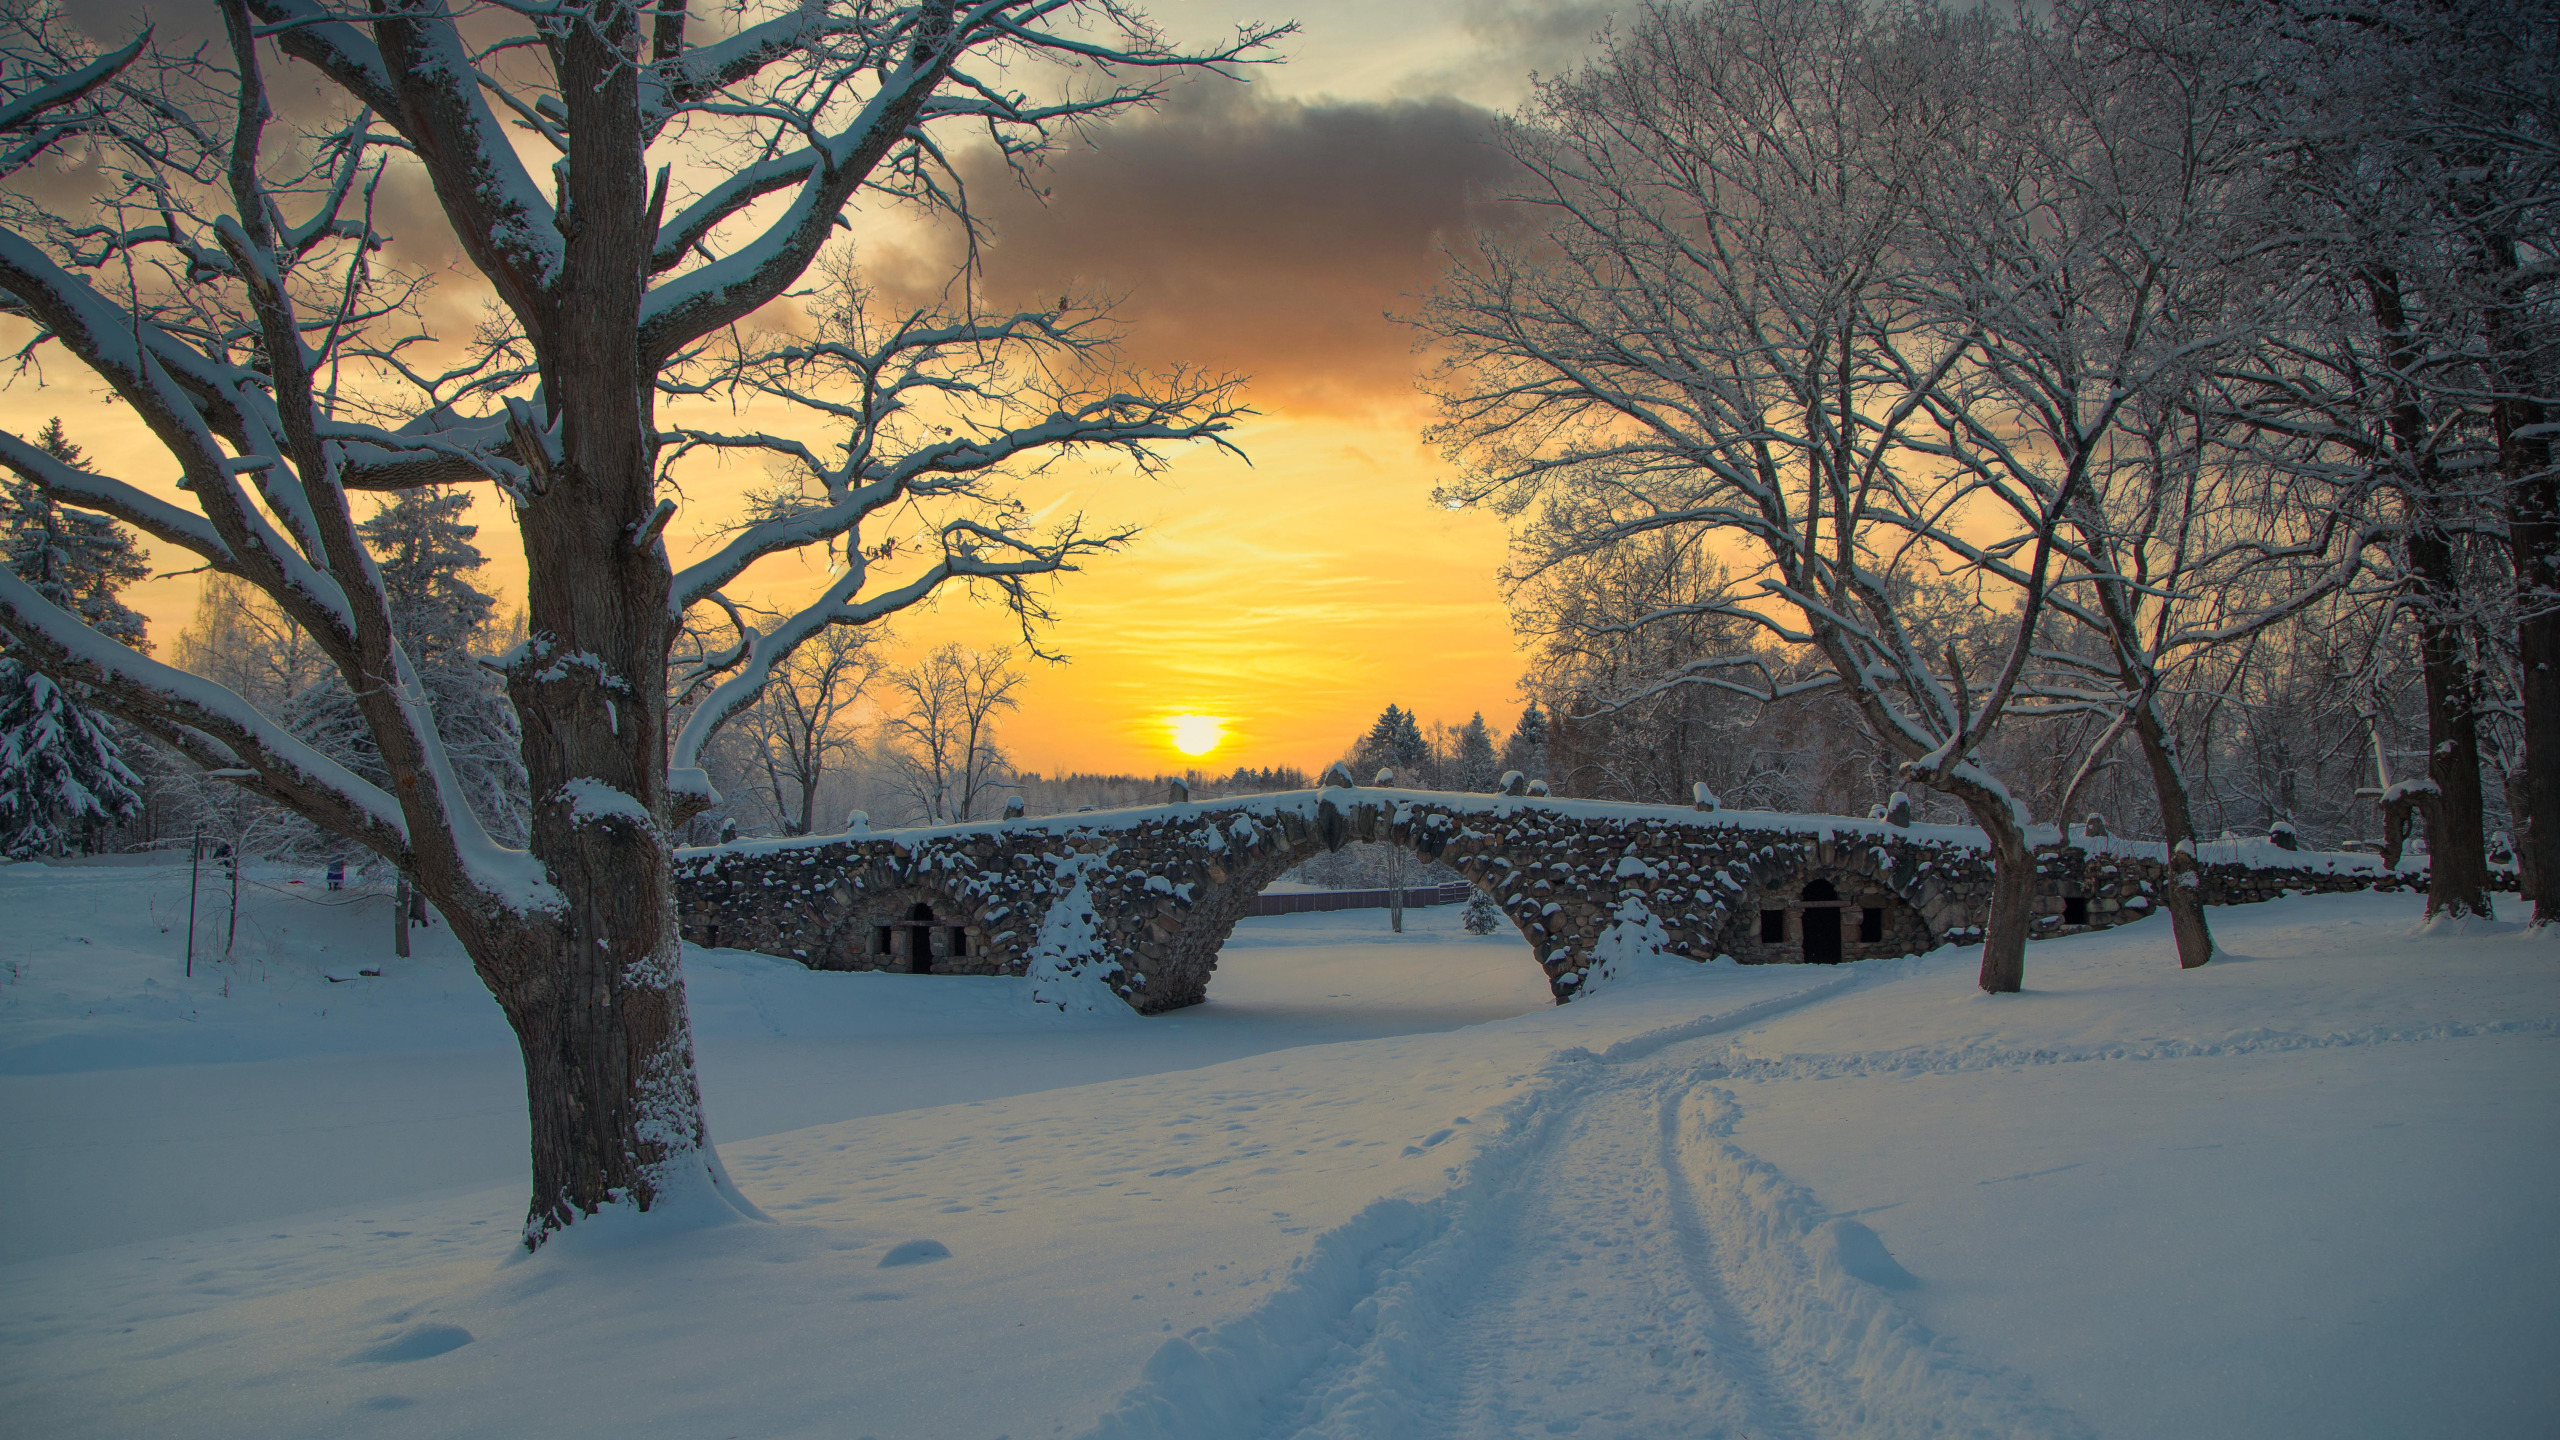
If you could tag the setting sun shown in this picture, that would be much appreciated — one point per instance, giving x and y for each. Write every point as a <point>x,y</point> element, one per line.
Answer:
<point>1198,734</point>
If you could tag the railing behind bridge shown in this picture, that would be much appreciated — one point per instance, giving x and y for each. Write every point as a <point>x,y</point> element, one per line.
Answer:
<point>1304,901</point>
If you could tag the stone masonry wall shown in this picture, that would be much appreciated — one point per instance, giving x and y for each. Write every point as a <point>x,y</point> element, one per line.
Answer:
<point>1144,899</point>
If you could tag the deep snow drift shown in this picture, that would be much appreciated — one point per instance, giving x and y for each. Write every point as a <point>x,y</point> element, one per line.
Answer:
<point>2302,1191</point>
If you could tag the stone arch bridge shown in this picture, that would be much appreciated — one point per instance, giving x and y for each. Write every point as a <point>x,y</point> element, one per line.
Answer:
<point>1144,898</point>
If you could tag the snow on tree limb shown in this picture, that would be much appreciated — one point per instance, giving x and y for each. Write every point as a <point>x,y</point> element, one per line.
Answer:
<point>128,503</point>
<point>287,769</point>
<point>29,115</point>
<point>913,52</point>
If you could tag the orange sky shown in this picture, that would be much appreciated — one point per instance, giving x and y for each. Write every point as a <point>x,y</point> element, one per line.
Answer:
<point>1260,229</point>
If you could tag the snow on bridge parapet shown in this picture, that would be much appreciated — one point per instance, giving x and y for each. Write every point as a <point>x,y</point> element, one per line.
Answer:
<point>1143,898</point>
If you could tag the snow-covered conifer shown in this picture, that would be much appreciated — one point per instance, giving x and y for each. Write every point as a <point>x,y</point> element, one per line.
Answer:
<point>1526,749</point>
<point>61,771</point>
<point>425,553</point>
<point>1477,767</point>
<point>62,767</point>
<point>1394,742</point>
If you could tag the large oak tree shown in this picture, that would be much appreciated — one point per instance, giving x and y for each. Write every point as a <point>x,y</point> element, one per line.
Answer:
<point>634,184</point>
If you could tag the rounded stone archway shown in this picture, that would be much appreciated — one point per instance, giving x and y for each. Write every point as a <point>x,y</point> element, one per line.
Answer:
<point>1217,911</point>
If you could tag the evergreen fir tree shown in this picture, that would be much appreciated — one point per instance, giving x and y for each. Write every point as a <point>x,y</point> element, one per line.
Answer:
<point>1410,748</point>
<point>62,772</point>
<point>1526,750</point>
<point>1394,742</point>
<point>423,548</point>
<point>77,561</point>
<point>1478,770</point>
<point>62,768</point>
<point>1374,747</point>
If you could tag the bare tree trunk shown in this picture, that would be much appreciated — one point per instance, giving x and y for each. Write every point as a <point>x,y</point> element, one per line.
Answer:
<point>2457,857</point>
<point>2533,540</point>
<point>2457,853</point>
<point>2185,898</point>
<point>608,1057</point>
<point>1395,888</point>
<point>2188,928</point>
<point>2013,894</point>
<point>596,995</point>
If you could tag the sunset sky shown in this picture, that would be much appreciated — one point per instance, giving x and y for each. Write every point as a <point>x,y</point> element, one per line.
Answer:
<point>1269,229</point>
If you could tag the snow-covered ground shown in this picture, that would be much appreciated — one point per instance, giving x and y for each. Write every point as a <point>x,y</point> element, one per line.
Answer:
<point>1375,1188</point>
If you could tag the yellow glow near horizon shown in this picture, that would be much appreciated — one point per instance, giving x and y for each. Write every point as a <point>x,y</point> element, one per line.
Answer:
<point>1198,734</point>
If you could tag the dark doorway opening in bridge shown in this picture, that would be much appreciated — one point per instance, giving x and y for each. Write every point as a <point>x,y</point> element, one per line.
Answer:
<point>919,928</point>
<point>1821,924</point>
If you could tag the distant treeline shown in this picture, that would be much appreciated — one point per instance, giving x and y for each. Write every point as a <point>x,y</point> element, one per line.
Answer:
<point>1061,794</point>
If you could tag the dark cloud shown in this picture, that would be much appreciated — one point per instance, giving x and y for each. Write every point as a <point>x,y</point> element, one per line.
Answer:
<point>1253,235</point>
<point>1515,39</point>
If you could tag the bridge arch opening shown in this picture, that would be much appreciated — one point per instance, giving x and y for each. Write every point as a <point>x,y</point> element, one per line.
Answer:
<point>1265,915</point>
<point>1327,959</point>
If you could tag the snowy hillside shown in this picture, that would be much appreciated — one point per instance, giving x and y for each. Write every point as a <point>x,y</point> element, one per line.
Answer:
<point>1374,1188</point>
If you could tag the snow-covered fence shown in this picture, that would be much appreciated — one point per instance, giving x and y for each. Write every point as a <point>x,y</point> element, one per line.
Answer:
<point>1143,898</point>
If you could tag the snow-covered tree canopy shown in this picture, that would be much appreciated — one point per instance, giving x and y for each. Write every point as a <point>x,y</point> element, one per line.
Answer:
<point>282,361</point>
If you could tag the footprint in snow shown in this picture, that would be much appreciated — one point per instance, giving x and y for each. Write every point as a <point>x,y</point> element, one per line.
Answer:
<point>1429,1142</point>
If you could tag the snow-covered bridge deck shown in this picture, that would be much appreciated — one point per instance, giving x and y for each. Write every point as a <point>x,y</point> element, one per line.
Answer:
<point>1144,897</point>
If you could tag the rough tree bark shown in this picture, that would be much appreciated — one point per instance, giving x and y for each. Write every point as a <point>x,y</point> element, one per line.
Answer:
<point>2457,850</point>
<point>2185,897</point>
<point>598,1000</point>
<point>2189,929</point>
<point>2013,892</point>
<point>2532,502</point>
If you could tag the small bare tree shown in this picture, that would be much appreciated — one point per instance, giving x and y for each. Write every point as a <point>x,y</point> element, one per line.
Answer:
<point>943,735</point>
<point>804,722</point>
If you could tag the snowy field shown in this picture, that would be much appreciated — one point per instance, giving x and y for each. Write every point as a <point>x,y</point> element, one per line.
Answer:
<point>1376,1187</point>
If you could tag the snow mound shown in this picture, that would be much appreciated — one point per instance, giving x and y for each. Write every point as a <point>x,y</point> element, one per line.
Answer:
<point>914,1252</point>
<point>2463,927</point>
